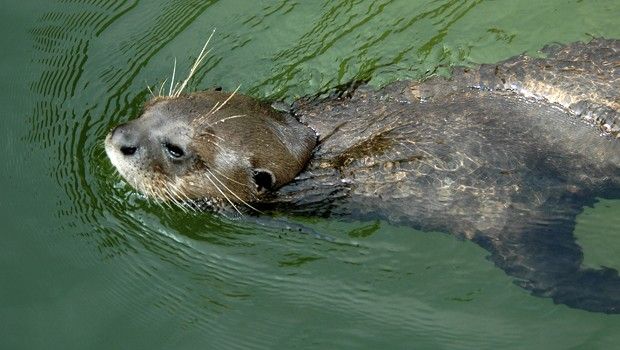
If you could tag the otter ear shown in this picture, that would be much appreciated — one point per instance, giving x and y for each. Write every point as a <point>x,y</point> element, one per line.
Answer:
<point>263,179</point>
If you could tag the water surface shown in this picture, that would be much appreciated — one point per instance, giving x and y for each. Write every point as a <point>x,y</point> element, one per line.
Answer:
<point>85,263</point>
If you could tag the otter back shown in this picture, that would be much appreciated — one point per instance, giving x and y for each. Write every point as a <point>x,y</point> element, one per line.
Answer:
<point>505,155</point>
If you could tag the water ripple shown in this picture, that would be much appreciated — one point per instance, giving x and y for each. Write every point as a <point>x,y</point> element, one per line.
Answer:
<point>208,273</point>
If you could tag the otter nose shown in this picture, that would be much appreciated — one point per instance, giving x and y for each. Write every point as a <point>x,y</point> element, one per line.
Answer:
<point>125,139</point>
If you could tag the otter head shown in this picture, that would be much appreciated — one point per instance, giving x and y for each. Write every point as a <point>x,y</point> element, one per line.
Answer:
<point>212,146</point>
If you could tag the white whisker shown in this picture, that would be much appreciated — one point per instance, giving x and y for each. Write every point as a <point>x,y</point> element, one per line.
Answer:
<point>228,178</point>
<point>213,108</point>
<point>233,193</point>
<point>216,107</point>
<point>225,119</point>
<point>192,71</point>
<point>161,88</point>
<point>224,194</point>
<point>174,71</point>
<point>183,197</point>
<point>173,195</point>
<point>214,135</point>
<point>188,203</point>
<point>215,144</point>
<point>159,202</point>
<point>226,101</point>
<point>149,88</point>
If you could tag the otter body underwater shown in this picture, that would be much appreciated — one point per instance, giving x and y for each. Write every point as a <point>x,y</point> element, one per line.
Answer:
<point>506,155</point>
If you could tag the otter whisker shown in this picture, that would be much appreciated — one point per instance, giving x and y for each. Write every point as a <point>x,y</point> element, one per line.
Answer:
<point>187,202</point>
<point>177,203</point>
<point>213,108</point>
<point>225,119</point>
<point>233,193</point>
<point>197,63</point>
<point>173,197</point>
<point>161,88</point>
<point>149,88</point>
<point>117,175</point>
<point>202,118</point>
<point>164,198</point>
<point>180,194</point>
<point>174,70</point>
<point>156,192</point>
<point>229,178</point>
<point>226,101</point>
<point>224,194</point>
<point>158,201</point>
<point>98,152</point>
<point>184,196</point>
<point>175,86</point>
<point>146,189</point>
<point>215,144</point>
<point>217,107</point>
<point>166,193</point>
<point>214,135</point>
<point>190,205</point>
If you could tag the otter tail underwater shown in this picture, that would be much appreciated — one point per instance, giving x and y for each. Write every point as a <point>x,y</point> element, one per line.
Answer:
<point>506,155</point>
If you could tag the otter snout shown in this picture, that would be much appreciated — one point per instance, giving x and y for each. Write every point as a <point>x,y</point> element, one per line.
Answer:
<point>124,139</point>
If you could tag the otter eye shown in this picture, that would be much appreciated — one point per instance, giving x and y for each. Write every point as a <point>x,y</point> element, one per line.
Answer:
<point>173,150</point>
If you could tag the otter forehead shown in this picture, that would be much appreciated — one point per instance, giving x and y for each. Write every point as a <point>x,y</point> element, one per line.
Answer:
<point>188,109</point>
<point>167,114</point>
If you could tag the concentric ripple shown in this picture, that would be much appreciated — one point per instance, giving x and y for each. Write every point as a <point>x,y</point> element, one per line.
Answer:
<point>193,280</point>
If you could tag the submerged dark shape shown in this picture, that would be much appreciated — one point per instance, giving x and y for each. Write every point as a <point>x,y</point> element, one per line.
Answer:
<point>506,155</point>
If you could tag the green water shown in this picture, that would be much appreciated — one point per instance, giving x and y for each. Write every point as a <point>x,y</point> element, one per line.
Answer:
<point>87,264</point>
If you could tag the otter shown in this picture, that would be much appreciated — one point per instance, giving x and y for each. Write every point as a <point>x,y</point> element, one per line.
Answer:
<point>506,155</point>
